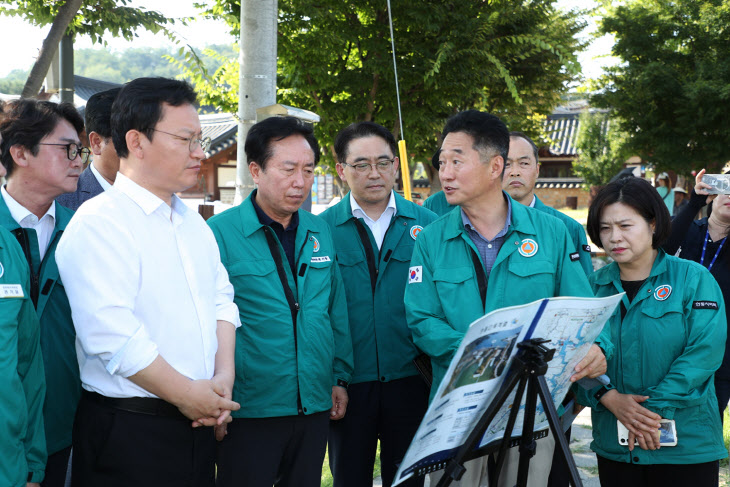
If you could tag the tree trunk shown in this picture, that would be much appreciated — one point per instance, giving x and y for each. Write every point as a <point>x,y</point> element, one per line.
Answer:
<point>50,45</point>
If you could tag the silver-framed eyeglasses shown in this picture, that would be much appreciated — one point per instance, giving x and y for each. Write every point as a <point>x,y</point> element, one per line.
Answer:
<point>194,141</point>
<point>73,150</point>
<point>382,166</point>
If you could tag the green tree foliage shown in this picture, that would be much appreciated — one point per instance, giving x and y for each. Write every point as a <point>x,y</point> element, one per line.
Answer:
<point>13,83</point>
<point>124,65</point>
<point>673,88</point>
<point>512,58</point>
<point>602,148</point>
<point>77,17</point>
<point>94,18</point>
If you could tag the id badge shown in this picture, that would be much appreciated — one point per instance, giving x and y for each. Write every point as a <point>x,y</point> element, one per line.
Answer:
<point>11,291</point>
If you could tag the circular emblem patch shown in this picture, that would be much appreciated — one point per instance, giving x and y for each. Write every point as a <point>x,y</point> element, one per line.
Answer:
<point>662,292</point>
<point>316,244</point>
<point>415,230</point>
<point>2,269</point>
<point>528,247</point>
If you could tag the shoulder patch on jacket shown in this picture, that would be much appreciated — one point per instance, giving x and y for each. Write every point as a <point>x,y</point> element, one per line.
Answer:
<point>415,274</point>
<point>705,305</point>
<point>574,256</point>
<point>587,248</point>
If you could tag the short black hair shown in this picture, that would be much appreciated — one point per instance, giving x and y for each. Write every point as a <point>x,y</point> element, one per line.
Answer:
<point>138,106</point>
<point>98,112</point>
<point>520,135</point>
<point>640,195</point>
<point>362,129</point>
<point>261,135</point>
<point>26,122</point>
<point>488,131</point>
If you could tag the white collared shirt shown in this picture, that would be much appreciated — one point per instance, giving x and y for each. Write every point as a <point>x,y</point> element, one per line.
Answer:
<point>143,279</point>
<point>23,217</point>
<point>103,182</point>
<point>534,200</point>
<point>377,227</point>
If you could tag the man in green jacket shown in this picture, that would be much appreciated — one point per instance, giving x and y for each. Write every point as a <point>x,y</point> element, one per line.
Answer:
<point>374,230</point>
<point>42,153</point>
<point>293,350</point>
<point>520,175</point>
<point>22,439</point>
<point>524,255</point>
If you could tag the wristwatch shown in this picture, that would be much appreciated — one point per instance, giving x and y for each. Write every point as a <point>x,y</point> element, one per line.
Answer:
<point>603,390</point>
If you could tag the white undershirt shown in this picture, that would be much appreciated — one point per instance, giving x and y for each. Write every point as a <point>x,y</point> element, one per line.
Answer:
<point>26,219</point>
<point>377,227</point>
<point>144,280</point>
<point>532,203</point>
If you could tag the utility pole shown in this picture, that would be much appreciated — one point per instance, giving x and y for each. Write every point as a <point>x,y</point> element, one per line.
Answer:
<point>66,70</point>
<point>257,82</point>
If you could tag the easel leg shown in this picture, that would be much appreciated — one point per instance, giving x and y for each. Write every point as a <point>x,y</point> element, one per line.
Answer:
<point>557,430</point>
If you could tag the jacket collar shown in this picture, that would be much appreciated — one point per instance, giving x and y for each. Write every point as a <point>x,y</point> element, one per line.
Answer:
<point>62,217</point>
<point>343,209</point>
<point>251,224</point>
<point>613,274</point>
<point>521,221</point>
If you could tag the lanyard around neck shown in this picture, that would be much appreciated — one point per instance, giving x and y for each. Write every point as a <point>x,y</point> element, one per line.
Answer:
<point>704,249</point>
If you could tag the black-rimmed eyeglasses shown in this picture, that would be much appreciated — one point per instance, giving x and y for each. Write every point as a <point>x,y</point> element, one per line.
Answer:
<point>194,141</point>
<point>73,150</point>
<point>382,165</point>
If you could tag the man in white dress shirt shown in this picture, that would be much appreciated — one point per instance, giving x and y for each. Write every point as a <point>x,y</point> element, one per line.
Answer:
<point>155,342</point>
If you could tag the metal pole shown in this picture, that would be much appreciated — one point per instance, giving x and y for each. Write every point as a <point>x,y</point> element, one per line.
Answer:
<point>66,69</point>
<point>257,81</point>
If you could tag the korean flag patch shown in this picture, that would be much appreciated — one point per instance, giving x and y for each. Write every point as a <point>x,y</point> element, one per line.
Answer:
<point>415,274</point>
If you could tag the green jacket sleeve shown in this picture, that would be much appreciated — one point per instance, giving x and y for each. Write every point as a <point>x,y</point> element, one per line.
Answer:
<point>344,361</point>
<point>30,370</point>
<point>579,237</point>
<point>604,341</point>
<point>587,397</point>
<point>431,333</point>
<point>573,282</point>
<point>691,374</point>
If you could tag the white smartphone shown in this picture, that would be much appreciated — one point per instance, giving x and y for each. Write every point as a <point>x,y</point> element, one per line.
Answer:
<point>667,433</point>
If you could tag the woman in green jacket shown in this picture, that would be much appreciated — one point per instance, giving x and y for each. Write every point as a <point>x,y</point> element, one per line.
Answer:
<point>669,336</point>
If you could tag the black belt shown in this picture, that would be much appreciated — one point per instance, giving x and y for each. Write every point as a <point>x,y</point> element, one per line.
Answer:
<point>140,405</point>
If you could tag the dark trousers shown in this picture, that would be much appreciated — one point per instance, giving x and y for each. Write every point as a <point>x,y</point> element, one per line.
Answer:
<point>115,448</point>
<point>389,411</point>
<point>620,474</point>
<point>284,452</point>
<point>56,468</point>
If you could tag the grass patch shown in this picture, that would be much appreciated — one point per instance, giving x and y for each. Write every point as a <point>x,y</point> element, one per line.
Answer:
<point>327,474</point>
<point>592,471</point>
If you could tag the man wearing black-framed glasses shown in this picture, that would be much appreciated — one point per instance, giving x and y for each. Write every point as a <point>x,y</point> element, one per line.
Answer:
<point>41,151</point>
<point>374,230</point>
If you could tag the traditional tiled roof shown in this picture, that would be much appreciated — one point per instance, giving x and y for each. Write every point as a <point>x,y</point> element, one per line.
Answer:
<point>85,87</point>
<point>559,183</point>
<point>222,128</point>
<point>562,127</point>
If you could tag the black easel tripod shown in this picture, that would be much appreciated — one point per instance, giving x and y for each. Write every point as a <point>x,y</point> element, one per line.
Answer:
<point>528,369</point>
